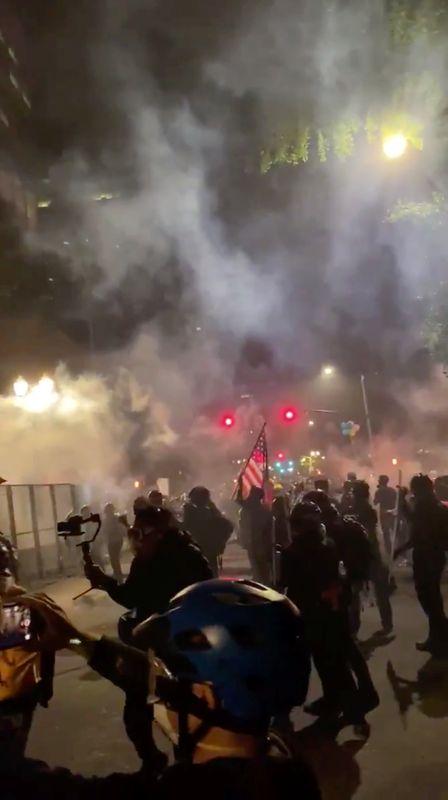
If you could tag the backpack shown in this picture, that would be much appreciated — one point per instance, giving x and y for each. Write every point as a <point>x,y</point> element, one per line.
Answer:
<point>357,549</point>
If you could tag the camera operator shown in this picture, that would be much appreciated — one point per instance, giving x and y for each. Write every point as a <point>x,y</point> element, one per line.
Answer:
<point>165,561</point>
<point>26,679</point>
<point>224,718</point>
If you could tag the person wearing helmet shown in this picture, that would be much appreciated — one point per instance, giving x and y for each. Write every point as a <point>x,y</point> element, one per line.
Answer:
<point>209,528</point>
<point>427,518</point>
<point>312,578</point>
<point>234,656</point>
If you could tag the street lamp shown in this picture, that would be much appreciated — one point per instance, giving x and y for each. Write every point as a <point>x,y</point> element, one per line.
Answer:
<point>395,145</point>
<point>311,423</point>
<point>328,371</point>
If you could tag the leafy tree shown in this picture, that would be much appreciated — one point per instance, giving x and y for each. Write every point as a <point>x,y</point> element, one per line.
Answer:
<point>408,24</point>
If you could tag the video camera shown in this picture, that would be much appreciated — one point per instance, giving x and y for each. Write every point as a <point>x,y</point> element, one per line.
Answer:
<point>72,526</point>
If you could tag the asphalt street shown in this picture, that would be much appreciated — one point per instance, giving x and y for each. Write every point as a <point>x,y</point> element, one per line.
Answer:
<point>405,755</point>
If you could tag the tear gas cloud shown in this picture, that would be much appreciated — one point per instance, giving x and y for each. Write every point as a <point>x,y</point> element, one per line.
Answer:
<point>269,275</point>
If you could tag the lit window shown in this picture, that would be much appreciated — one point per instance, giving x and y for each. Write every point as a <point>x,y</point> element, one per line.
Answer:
<point>14,80</point>
<point>4,118</point>
<point>12,54</point>
<point>43,203</point>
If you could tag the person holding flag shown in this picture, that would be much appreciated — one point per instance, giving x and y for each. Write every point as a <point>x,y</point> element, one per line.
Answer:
<point>255,516</point>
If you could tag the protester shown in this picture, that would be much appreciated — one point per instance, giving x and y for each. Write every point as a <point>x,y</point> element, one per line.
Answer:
<point>166,560</point>
<point>256,532</point>
<point>386,498</point>
<point>228,722</point>
<point>364,512</point>
<point>113,531</point>
<point>280,513</point>
<point>209,528</point>
<point>353,550</point>
<point>427,518</point>
<point>323,485</point>
<point>346,501</point>
<point>313,581</point>
<point>155,498</point>
<point>26,678</point>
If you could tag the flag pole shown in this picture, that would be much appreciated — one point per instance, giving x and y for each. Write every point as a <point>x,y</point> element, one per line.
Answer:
<point>243,469</point>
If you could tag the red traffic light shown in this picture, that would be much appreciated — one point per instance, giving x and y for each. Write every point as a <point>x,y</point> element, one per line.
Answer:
<point>228,421</point>
<point>280,456</point>
<point>289,414</point>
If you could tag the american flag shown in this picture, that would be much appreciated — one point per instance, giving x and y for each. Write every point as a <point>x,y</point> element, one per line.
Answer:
<point>255,472</point>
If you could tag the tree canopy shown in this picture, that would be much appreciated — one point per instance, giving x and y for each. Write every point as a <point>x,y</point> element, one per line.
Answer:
<point>403,97</point>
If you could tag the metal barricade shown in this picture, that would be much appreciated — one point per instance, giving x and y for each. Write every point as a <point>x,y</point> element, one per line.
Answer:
<point>29,515</point>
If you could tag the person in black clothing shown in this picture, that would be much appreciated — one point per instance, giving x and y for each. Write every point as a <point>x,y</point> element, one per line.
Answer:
<point>364,512</point>
<point>353,548</point>
<point>280,513</point>
<point>228,759</point>
<point>386,498</point>
<point>209,528</point>
<point>166,560</point>
<point>428,527</point>
<point>311,577</point>
<point>256,532</point>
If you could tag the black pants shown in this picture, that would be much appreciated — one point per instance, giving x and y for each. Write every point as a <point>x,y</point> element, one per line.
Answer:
<point>15,728</point>
<point>138,718</point>
<point>427,579</point>
<point>341,667</point>
<point>387,525</point>
<point>379,577</point>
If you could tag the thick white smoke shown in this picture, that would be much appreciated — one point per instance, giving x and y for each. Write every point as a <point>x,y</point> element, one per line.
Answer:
<point>313,66</point>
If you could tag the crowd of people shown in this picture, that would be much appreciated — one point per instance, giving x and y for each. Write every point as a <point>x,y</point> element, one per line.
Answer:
<point>237,653</point>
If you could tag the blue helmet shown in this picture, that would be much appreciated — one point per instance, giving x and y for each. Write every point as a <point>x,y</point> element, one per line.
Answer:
<point>242,638</point>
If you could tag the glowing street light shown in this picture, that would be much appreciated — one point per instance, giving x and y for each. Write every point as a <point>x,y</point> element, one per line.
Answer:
<point>395,145</point>
<point>328,371</point>
<point>311,423</point>
<point>395,462</point>
<point>21,387</point>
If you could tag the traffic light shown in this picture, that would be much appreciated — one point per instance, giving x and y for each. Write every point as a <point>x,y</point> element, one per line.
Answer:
<point>290,414</point>
<point>280,456</point>
<point>228,421</point>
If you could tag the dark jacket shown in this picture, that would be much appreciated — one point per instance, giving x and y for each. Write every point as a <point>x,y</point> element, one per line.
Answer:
<point>256,529</point>
<point>310,569</point>
<point>353,546</point>
<point>151,584</point>
<point>209,528</point>
<point>385,498</point>
<point>367,516</point>
<point>428,528</point>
